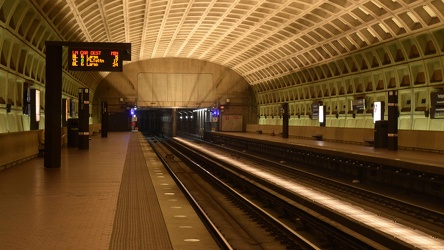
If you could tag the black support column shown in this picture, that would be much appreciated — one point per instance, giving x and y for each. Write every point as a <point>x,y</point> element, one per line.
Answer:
<point>174,122</point>
<point>105,126</point>
<point>83,118</point>
<point>392,127</point>
<point>53,109</point>
<point>285,120</point>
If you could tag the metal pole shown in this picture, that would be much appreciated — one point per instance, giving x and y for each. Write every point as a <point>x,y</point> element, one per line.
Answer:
<point>392,129</point>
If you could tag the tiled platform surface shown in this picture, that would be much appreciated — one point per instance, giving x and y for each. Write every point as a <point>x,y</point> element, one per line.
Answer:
<point>116,195</point>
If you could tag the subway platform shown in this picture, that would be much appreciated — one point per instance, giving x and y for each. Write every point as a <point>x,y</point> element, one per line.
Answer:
<point>430,162</point>
<point>420,176</point>
<point>116,195</point>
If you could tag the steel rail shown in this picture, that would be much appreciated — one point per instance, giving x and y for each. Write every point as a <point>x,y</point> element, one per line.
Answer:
<point>377,237</point>
<point>431,216</point>
<point>212,228</point>
<point>315,216</point>
<point>287,235</point>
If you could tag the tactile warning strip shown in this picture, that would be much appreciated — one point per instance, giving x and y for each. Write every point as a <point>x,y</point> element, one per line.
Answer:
<point>138,223</point>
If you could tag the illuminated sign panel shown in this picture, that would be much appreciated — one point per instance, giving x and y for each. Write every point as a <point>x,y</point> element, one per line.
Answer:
<point>378,111</point>
<point>85,59</point>
<point>321,114</point>
<point>37,105</point>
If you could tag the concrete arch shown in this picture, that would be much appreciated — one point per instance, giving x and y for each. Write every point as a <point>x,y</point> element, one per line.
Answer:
<point>120,89</point>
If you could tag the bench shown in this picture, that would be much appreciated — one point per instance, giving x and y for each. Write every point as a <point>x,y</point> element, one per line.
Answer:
<point>259,131</point>
<point>317,137</point>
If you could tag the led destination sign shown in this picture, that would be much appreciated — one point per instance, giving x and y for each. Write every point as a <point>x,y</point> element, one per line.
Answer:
<point>95,59</point>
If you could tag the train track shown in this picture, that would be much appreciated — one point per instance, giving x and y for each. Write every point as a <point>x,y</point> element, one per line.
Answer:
<point>294,220</point>
<point>170,164</point>
<point>419,215</point>
<point>363,237</point>
<point>231,226</point>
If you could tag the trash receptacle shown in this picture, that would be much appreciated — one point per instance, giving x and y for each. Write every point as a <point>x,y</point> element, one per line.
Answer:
<point>73,132</point>
<point>381,137</point>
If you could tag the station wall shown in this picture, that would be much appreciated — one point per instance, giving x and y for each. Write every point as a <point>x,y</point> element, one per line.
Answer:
<point>413,66</point>
<point>22,65</point>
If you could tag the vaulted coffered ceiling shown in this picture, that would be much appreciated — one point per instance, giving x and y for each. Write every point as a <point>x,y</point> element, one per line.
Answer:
<point>260,40</point>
